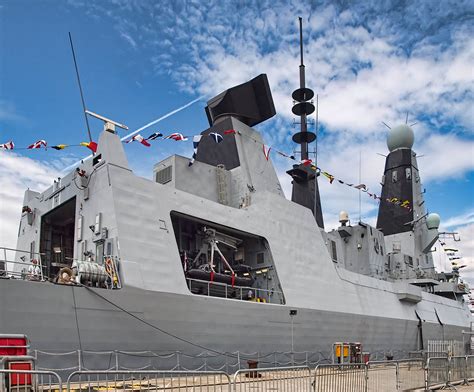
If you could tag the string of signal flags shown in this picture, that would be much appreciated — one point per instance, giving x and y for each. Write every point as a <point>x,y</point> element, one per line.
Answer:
<point>217,138</point>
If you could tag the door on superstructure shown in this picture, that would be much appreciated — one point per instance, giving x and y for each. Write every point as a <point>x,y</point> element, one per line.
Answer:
<point>57,237</point>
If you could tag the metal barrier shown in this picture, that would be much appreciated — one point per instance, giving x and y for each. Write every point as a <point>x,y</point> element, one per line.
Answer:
<point>469,368</point>
<point>340,378</point>
<point>29,380</point>
<point>382,376</point>
<point>411,374</point>
<point>147,380</point>
<point>437,372</point>
<point>457,369</point>
<point>296,378</point>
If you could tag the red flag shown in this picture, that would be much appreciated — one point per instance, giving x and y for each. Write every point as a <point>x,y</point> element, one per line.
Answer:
<point>230,132</point>
<point>307,162</point>
<point>90,145</point>
<point>38,144</point>
<point>7,146</point>
<point>177,136</point>
<point>139,138</point>
<point>266,151</point>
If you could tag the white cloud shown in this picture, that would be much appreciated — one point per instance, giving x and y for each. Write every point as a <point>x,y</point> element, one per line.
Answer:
<point>18,173</point>
<point>458,220</point>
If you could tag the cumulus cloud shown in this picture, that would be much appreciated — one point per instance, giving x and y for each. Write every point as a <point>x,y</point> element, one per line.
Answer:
<point>365,67</point>
<point>18,173</point>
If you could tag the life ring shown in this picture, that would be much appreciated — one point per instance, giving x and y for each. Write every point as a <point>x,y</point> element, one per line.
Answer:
<point>65,275</point>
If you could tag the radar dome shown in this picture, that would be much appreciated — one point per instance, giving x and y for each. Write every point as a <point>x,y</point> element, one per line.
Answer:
<point>432,221</point>
<point>343,217</point>
<point>401,136</point>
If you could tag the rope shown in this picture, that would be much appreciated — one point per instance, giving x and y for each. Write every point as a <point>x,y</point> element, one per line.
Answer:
<point>148,323</point>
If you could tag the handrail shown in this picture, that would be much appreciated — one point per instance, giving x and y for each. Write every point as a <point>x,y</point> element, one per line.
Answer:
<point>22,251</point>
<point>256,289</point>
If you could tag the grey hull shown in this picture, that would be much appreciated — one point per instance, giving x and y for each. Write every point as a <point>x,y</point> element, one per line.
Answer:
<point>65,318</point>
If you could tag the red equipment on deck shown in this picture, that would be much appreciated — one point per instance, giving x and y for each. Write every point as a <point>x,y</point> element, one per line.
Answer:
<point>14,356</point>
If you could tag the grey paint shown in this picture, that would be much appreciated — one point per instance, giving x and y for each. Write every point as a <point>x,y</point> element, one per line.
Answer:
<point>334,303</point>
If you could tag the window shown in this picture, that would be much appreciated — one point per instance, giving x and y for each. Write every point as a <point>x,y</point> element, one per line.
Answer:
<point>260,258</point>
<point>394,176</point>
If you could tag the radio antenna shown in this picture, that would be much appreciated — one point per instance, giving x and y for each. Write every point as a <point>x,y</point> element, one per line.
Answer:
<point>80,87</point>
<point>303,108</point>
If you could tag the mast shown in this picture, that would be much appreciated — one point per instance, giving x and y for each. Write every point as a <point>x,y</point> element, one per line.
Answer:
<point>303,108</point>
<point>305,185</point>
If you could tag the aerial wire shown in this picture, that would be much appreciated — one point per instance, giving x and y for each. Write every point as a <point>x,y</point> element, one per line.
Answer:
<point>80,87</point>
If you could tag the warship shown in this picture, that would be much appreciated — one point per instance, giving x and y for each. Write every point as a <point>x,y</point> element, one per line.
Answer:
<point>213,256</point>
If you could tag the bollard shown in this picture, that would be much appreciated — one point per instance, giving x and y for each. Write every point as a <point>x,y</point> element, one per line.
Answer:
<point>252,365</point>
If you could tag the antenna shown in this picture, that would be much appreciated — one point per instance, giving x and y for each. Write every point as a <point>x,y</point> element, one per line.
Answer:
<point>105,119</point>
<point>80,87</point>
<point>406,119</point>
<point>316,131</point>
<point>303,107</point>
<point>386,125</point>
<point>360,182</point>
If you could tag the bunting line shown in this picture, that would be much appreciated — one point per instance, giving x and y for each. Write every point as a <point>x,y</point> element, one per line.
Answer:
<point>217,138</point>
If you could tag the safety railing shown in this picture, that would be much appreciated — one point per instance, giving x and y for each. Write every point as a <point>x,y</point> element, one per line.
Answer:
<point>382,376</point>
<point>410,373</point>
<point>29,380</point>
<point>386,376</point>
<point>29,266</point>
<point>282,379</point>
<point>235,292</point>
<point>437,371</point>
<point>340,377</point>
<point>444,372</point>
<point>147,380</point>
<point>469,367</point>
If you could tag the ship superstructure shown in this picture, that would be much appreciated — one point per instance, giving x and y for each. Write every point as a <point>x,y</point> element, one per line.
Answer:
<point>204,253</point>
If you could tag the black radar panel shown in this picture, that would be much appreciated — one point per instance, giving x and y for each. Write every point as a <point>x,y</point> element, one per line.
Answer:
<point>249,102</point>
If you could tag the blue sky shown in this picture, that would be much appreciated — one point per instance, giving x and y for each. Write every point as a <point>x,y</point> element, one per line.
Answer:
<point>369,61</point>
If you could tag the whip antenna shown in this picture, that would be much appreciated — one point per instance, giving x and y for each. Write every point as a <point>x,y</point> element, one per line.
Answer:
<point>80,87</point>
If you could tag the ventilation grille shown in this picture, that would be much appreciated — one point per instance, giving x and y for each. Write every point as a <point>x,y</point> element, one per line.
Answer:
<point>165,175</point>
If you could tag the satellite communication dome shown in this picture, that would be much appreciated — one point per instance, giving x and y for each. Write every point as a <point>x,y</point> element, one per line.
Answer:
<point>433,220</point>
<point>401,136</point>
<point>343,217</point>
